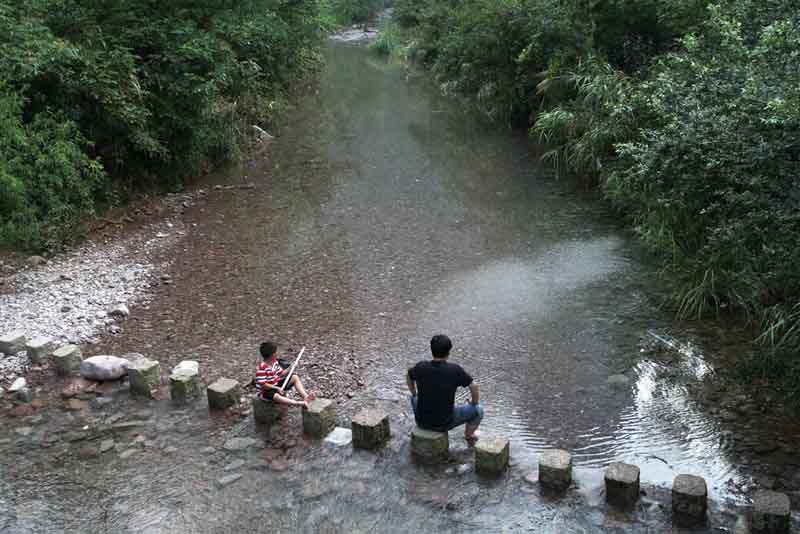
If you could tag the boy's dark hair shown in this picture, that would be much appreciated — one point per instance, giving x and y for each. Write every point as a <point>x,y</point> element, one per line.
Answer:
<point>268,349</point>
<point>440,346</point>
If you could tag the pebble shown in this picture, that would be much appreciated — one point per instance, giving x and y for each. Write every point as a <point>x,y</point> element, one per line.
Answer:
<point>228,479</point>
<point>233,466</point>
<point>239,444</point>
<point>127,454</point>
<point>106,445</point>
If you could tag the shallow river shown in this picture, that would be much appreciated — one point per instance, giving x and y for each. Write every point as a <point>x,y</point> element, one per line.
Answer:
<point>383,215</point>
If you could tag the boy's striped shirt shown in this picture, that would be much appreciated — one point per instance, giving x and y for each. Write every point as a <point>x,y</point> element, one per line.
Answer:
<point>268,374</point>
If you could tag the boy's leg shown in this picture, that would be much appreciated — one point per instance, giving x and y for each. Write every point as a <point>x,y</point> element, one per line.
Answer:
<point>282,399</point>
<point>295,381</point>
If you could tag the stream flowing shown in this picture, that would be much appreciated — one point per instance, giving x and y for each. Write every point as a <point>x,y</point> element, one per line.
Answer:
<point>386,214</point>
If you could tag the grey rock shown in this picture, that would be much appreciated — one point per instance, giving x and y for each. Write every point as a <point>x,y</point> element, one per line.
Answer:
<point>144,376</point>
<point>233,466</point>
<point>121,311</point>
<point>67,360</point>
<point>227,480</point>
<point>239,444</point>
<point>124,455</point>
<point>370,429</point>
<point>428,446</point>
<point>319,419</point>
<point>223,393</point>
<point>555,468</point>
<point>689,500</point>
<point>104,368</point>
<point>622,484</point>
<point>618,381</point>
<point>184,382</point>
<point>106,445</point>
<point>491,456</point>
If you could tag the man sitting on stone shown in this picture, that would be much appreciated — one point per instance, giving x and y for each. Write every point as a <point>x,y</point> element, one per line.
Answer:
<point>433,386</point>
<point>272,380</point>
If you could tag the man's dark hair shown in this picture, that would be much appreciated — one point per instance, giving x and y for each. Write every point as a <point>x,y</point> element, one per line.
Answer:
<point>440,346</point>
<point>268,349</point>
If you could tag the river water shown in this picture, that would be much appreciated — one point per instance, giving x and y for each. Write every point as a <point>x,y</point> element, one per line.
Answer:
<point>383,215</point>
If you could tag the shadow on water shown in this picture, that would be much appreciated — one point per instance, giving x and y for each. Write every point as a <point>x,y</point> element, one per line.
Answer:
<point>396,215</point>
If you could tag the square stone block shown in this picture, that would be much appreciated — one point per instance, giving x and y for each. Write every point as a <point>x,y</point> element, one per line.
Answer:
<point>223,393</point>
<point>622,484</point>
<point>771,513</point>
<point>184,381</point>
<point>67,360</point>
<point>13,342</point>
<point>145,377</point>
<point>39,349</point>
<point>555,469</point>
<point>266,412</point>
<point>689,500</point>
<point>370,429</point>
<point>319,418</point>
<point>428,446</point>
<point>491,456</point>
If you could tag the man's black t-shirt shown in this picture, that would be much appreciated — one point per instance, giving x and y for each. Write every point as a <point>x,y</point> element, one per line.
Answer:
<point>437,382</point>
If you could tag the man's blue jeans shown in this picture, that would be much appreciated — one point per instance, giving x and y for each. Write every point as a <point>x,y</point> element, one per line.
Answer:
<point>468,413</point>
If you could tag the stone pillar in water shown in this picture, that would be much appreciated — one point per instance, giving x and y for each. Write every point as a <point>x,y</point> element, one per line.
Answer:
<point>689,500</point>
<point>67,360</point>
<point>622,485</point>
<point>39,348</point>
<point>223,393</point>
<point>370,429</point>
<point>12,343</point>
<point>319,419</point>
<point>184,381</point>
<point>555,469</point>
<point>267,412</point>
<point>145,377</point>
<point>771,513</point>
<point>428,446</point>
<point>491,456</point>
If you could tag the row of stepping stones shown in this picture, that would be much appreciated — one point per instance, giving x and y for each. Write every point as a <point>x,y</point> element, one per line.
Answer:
<point>370,431</point>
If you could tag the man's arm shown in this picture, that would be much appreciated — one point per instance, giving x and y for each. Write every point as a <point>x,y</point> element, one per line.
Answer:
<point>412,386</point>
<point>476,397</point>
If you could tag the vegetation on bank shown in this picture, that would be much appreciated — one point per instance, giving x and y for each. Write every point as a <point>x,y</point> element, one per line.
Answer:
<point>686,113</point>
<point>100,98</point>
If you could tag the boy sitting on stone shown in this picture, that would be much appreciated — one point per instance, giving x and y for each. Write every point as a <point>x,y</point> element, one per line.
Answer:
<point>272,380</point>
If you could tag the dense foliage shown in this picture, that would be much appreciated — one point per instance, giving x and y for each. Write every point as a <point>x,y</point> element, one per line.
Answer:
<point>100,96</point>
<point>685,112</point>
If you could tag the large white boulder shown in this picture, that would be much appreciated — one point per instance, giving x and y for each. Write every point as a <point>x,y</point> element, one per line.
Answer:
<point>104,368</point>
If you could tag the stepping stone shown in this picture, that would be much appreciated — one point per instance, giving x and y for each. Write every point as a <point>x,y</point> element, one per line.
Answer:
<point>13,342</point>
<point>144,376</point>
<point>555,469</point>
<point>319,418</point>
<point>340,437</point>
<point>104,368</point>
<point>266,412</point>
<point>622,484</point>
<point>771,513</point>
<point>428,446</point>
<point>67,360</point>
<point>20,391</point>
<point>370,429</point>
<point>689,500</point>
<point>223,393</point>
<point>491,456</point>
<point>39,349</point>
<point>184,381</point>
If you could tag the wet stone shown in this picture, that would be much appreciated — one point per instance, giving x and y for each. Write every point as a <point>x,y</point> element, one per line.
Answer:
<point>491,456</point>
<point>266,412</point>
<point>67,360</point>
<point>622,484</point>
<point>239,444</point>
<point>39,348</point>
<point>127,454</point>
<point>13,342</point>
<point>771,513</point>
<point>106,445</point>
<point>428,446</point>
<point>223,393</point>
<point>144,376</point>
<point>370,429</point>
<point>555,469</point>
<point>689,500</point>
<point>184,381</point>
<point>233,466</point>
<point>319,419</point>
<point>104,368</point>
<point>227,480</point>
<point>19,390</point>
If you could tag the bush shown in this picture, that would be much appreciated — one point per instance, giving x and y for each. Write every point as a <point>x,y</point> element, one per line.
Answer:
<point>157,91</point>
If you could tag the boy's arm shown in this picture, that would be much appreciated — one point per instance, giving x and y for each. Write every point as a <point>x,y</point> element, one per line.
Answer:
<point>412,386</point>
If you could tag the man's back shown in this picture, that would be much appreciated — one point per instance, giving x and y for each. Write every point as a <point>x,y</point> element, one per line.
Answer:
<point>437,382</point>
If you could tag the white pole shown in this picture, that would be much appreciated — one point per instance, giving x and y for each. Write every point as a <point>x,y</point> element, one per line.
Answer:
<point>291,369</point>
